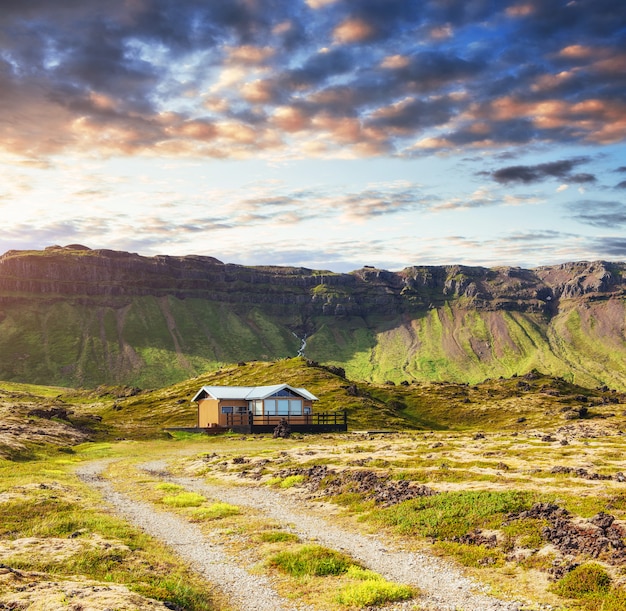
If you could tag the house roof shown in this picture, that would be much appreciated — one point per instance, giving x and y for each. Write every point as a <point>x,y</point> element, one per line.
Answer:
<point>250,393</point>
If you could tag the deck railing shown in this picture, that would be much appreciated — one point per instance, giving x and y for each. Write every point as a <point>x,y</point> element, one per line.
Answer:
<point>321,419</point>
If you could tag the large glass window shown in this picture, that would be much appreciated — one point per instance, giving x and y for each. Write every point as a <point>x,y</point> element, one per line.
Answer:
<point>283,407</point>
<point>227,410</point>
<point>295,407</point>
<point>270,407</point>
<point>258,408</point>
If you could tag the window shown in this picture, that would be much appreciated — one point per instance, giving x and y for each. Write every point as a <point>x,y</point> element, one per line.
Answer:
<point>307,410</point>
<point>283,407</point>
<point>227,409</point>
<point>270,407</point>
<point>258,408</point>
<point>295,407</point>
<point>242,409</point>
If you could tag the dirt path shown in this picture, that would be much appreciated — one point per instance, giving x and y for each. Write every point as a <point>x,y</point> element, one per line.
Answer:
<point>208,557</point>
<point>443,586</point>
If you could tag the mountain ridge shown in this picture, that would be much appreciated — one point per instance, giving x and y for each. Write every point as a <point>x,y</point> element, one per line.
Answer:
<point>73,315</point>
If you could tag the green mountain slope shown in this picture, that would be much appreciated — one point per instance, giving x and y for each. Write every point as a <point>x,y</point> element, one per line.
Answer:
<point>516,403</point>
<point>79,317</point>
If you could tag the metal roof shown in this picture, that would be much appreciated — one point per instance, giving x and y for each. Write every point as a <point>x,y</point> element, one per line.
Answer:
<point>250,393</point>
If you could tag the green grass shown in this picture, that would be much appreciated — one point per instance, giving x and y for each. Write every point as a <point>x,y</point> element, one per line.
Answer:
<point>291,481</point>
<point>215,511</point>
<point>373,593</point>
<point>475,556</point>
<point>184,499</point>
<point>278,537</point>
<point>312,560</point>
<point>584,581</point>
<point>451,514</point>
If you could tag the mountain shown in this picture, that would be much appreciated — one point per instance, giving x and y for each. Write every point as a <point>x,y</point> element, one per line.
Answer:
<point>80,317</point>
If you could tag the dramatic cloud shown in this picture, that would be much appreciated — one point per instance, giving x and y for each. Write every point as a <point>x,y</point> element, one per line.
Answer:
<point>536,173</point>
<point>210,78</point>
<point>599,213</point>
<point>405,129</point>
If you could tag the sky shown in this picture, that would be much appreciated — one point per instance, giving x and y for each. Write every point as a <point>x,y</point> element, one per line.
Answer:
<point>329,134</point>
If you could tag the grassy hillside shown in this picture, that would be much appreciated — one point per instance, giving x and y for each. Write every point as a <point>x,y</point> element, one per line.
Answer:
<point>154,341</point>
<point>585,344</point>
<point>516,403</point>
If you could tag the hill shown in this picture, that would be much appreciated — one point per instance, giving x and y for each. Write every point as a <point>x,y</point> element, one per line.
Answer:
<point>73,316</point>
<point>533,400</point>
<point>36,416</point>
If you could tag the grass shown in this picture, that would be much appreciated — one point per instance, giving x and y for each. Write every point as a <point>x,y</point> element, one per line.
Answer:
<point>591,586</point>
<point>373,592</point>
<point>184,499</point>
<point>56,505</point>
<point>215,511</point>
<point>452,514</point>
<point>586,580</point>
<point>278,537</point>
<point>312,560</point>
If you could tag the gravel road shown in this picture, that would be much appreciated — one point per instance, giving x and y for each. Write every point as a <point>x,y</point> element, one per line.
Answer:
<point>444,587</point>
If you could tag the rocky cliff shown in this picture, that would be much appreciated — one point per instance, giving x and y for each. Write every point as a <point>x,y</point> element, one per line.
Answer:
<point>75,315</point>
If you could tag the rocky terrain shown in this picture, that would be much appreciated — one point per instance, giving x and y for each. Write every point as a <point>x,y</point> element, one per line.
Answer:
<point>75,316</point>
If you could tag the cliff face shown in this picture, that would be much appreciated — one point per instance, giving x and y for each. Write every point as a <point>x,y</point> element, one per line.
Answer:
<point>75,315</point>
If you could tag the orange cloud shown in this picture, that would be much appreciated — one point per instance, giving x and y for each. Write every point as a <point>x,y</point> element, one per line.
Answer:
<point>257,92</point>
<point>394,62</point>
<point>353,31</point>
<point>520,10</point>
<point>290,119</point>
<point>578,52</point>
<point>249,54</point>
<point>315,4</point>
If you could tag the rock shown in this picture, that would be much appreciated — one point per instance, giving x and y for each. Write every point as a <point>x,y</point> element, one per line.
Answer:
<point>282,430</point>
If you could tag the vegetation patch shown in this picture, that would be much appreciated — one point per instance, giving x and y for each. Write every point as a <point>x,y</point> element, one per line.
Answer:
<point>278,536</point>
<point>452,514</point>
<point>184,499</point>
<point>312,560</point>
<point>215,511</point>
<point>373,592</point>
<point>585,580</point>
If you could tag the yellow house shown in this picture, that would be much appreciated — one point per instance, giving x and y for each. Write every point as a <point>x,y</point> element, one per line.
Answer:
<point>243,406</point>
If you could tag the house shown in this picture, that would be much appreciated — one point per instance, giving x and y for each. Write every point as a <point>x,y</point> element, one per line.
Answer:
<point>261,408</point>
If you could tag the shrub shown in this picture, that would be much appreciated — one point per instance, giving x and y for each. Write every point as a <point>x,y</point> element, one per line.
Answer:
<point>585,580</point>
<point>215,511</point>
<point>311,560</point>
<point>452,514</point>
<point>277,536</point>
<point>184,499</point>
<point>291,481</point>
<point>373,592</point>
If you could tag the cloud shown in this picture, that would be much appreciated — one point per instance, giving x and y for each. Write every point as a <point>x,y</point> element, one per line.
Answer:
<point>309,77</point>
<point>608,214</point>
<point>527,174</point>
<point>610,247</point>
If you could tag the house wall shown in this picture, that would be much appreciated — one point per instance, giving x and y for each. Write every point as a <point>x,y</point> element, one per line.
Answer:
<point>208,412</point>
<point>223,418</point>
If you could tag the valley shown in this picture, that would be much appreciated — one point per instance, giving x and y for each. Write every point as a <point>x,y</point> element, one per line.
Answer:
<point>499,496</point>
<point>482,469</point>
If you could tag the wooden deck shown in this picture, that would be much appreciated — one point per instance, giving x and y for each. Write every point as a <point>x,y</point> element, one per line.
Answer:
<point>248,423</point>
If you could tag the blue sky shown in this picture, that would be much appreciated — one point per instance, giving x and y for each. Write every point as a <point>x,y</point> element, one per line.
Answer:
<point>328,134</point>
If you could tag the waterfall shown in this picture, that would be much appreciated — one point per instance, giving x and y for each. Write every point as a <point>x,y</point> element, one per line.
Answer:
<point>302,345</point>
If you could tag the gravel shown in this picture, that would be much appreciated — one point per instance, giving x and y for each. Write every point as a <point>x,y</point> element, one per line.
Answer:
<point>245,591</point>
<point>443,587</point>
